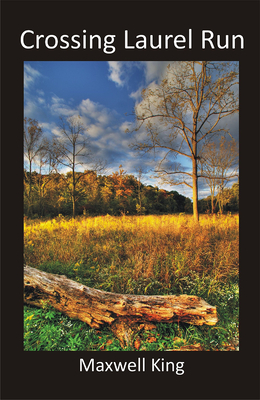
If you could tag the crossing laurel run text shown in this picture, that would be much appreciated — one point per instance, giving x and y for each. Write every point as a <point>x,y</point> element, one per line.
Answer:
<point>31,40</point>
<point>139,365</point>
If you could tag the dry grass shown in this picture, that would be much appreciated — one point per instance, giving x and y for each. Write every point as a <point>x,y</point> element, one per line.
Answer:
<point>161,248</point>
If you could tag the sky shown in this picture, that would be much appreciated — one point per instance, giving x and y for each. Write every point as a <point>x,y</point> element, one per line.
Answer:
<point>104,94</point>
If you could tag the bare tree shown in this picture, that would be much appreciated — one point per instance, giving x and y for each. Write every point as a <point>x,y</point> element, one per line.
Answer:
<point>228,168</point>
<point>209,168</point>
<point>176,116</point>
<point>33,146</point>
<point>72,149</point>
<point>42,160</point>
<point>219,165</point>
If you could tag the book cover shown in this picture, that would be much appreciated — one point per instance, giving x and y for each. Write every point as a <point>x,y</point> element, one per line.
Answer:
<point>130,191</point>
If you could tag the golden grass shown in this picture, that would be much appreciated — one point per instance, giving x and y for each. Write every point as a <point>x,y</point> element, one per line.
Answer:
<point>164,248</point>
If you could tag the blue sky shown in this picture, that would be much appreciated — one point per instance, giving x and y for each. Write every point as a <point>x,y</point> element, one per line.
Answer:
<point>104,94</point>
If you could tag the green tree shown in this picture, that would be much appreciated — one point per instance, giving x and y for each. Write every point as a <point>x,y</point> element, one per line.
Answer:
<point>176,116</point>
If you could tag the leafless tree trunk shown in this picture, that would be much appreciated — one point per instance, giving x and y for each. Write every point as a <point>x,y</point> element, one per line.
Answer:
<point>140,209</point>
<point>181,112</point>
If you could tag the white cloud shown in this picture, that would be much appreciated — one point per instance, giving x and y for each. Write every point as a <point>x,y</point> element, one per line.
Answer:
<point>40,92</point>
<point>47,125</point>
<point>30,75</point>
<point>120,73</point>
<point>33,101</point>
<point>57,131</point>
<point>34,108</point>
<point>137,94</point>
<point>154,70</point>
<point>116,72</point>
<point>92,110</point>
<point>41,100</point>
<point>104,126</point>
<point>60,108</point>
<point>125,125</point>
<point>96,114</point>
<point>94,131</point>
<point>56,100</point>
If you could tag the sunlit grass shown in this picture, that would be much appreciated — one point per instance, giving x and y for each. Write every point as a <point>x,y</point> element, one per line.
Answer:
<point>146,255</point>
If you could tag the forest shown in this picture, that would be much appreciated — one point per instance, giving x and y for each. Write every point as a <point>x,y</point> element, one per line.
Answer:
<point>116,194</point>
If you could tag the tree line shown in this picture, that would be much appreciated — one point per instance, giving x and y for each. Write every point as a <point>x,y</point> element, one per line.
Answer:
<point>114,194</point>
<point>49,195</point>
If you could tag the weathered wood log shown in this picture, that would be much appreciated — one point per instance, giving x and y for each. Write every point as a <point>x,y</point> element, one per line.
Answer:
<point>97,307</point>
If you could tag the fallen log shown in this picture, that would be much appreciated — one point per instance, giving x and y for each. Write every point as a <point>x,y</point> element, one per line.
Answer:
<point>96,307</point>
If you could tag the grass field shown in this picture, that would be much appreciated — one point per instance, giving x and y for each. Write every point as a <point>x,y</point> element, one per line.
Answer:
<point>149,255</point>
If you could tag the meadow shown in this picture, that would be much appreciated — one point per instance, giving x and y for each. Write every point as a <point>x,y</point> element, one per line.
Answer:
<point>154,254</point>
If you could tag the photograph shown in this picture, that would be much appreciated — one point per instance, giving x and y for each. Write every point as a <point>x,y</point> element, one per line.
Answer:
<point>131,206</point>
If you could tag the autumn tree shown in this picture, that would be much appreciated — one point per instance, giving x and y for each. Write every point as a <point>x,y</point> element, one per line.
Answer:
<point>71,149</point>
<point>53,199</point>
<point>123,188</point>
<point>106,193</point>
<point>176,116</point>
<point>88,191</point>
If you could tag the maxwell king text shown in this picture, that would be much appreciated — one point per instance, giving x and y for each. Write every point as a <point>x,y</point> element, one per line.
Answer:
<point>139,365</point>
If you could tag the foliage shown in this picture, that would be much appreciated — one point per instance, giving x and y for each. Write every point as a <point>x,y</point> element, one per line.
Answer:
<point>114,194</point>
<point>48,330</point>
<point>138,255</point>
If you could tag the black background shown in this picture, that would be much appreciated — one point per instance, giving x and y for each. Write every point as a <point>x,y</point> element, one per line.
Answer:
<point>55,375</point>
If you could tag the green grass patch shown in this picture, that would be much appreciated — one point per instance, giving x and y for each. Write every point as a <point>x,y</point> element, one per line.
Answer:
<point>49,330</point>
